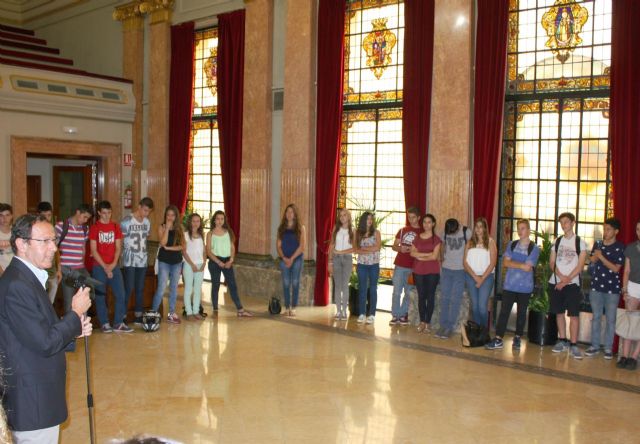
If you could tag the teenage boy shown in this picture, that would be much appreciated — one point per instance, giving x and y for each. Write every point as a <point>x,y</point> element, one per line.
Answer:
<point>55,274</point>
<point>607,257</point>
<point>72,236</point>
<point>105,239</point>
<point>403,266</point>
<point>135,231</point>
<point>568,255</point>
<point>520,259</point>
<point>6,253</point>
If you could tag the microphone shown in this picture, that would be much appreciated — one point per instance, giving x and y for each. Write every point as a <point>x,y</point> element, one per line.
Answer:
<point>78,280</point>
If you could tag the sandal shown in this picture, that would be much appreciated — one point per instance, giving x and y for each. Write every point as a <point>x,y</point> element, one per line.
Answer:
<point>197,317</point>
<point>292,313</point>
<point>422,327</point>
<point>244,314</point>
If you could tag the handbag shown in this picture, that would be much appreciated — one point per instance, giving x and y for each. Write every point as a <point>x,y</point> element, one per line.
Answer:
<point>474,334</point>
<point>274,306</point>
<point>411,280</point>
<point>628,324</point>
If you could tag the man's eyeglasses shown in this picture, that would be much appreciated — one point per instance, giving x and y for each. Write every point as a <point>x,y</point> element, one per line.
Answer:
<point>44,241</point>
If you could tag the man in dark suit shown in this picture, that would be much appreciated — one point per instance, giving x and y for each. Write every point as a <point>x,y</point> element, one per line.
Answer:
<point>32,338</point>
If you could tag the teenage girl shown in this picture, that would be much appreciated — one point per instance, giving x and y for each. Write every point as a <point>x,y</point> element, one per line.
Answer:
<point>290,245</point>
<point>426,269</point>
<point>193,266</point>
<point>369,242</point>
<point>169,260</point>
<point>480,256</point>
<point>341,260</point>
<point>221,252</point>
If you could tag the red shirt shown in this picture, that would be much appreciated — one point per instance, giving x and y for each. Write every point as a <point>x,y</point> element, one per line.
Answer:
<point>406,236</point>
<point>426,246</point>
<point>105,236</point>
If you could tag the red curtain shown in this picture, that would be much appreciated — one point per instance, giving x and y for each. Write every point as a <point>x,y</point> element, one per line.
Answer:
<point>624,115</point>
<point>230,88</point>
<point>180,110</point>
<point>328,128</point>
<point>416,113</point>
<point>490,75</point>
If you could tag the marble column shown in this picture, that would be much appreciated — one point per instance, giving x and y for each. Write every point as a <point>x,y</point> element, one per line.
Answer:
<point>298,155</point>
<point>133,69</point>
<point>450,146</point>
<point>158,133</point>
<point>255,198</point>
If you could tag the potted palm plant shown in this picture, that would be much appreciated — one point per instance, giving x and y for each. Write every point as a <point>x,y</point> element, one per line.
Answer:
<point>542,328</point>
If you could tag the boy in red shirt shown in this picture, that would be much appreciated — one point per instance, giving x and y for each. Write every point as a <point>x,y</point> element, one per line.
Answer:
<point>105,239</point>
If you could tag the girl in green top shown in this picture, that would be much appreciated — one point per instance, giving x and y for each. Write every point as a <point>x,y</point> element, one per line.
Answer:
<point>221,252</point>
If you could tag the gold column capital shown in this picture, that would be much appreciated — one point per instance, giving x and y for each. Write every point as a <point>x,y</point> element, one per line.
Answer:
<point>128,11</point>
<point>159,10</point>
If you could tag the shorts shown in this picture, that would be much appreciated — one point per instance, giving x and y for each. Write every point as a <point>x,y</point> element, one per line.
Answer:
<point>633,289</point>
<point>569,299</point>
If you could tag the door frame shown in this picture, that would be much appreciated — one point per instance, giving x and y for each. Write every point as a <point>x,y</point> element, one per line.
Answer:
<point>87,186</point>
<point>109,178</point>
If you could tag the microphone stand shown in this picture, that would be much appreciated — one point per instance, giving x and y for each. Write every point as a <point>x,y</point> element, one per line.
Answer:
<point>89,394</point>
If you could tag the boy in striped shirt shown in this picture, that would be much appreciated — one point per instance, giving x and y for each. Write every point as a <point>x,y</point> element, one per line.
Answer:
<point>71,246</point>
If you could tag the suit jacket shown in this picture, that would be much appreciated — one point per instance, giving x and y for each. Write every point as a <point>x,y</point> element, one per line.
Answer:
<point>32,340</point>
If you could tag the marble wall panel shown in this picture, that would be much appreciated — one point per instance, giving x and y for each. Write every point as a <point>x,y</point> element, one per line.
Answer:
<point>255,201</point>
<point>158,135</point>
<point>258,47</point>
<point>450,144</point>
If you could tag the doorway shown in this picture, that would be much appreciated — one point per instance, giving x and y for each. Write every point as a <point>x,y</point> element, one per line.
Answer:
<point>72,186</point>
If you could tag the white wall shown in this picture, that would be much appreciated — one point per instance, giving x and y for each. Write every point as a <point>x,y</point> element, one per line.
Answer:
<point>87,34</point>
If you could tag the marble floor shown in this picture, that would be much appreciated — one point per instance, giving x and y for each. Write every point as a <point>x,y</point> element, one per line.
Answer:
<point>272,379</point>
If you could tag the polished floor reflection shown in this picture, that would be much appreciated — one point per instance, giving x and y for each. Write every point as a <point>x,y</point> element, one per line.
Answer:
<point>311,380</point>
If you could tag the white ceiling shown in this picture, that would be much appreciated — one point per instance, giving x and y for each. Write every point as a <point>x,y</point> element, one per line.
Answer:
<point>19,12</point>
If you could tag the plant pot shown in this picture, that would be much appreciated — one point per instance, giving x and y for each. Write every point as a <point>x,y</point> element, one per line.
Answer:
<point>542,328</point>
<point>354,305</point>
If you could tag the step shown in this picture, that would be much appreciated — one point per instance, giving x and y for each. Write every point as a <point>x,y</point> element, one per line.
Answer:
<point>29,46</point>
<point>31,56</point>
<point>22,38</point>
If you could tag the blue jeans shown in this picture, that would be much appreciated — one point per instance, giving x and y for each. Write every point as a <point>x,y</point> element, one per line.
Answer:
<point>172,273</point>
<point>117,287</point>
<point>400,282</point>
<point>134,279</point>
<point>368,279</point>
<point>609,304</point>
<point>480,298</point>
<point>291,282</point>
<point>451,292</point>
<point>229,278</point>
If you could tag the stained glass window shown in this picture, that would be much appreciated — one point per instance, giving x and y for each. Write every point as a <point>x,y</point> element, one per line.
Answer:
<point>555,154</point>
<point>371,151</point>
<point>205,178</point>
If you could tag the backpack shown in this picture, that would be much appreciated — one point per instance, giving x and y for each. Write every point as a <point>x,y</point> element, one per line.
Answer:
<point>274,306</point>
<point>464,234</point>
<point>65,231</point>
<point>474,334</point>
<point>555,248</point>
<point>514,244</point>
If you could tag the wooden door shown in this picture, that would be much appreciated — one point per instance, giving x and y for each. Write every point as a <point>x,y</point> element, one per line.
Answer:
<point>34,193</point>
<point>72,185</point>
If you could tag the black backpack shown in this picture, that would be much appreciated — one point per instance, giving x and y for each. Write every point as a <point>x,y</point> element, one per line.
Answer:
<point>514,244</point>
<point>274,306</point>
<point>555,248</point>
<point>474,334</point>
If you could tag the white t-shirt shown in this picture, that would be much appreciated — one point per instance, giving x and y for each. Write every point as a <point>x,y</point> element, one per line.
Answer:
<point>567,258</point>
<point>195,249</point>
<point>479,260</point>
<point>342,240</point>
<point>6,254</point>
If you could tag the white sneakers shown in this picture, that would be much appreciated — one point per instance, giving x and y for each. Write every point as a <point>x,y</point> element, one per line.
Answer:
<point>369,319</point>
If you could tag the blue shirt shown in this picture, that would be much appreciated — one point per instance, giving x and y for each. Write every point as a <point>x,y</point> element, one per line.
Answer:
<point>290,243</point>
<point>603,279</point>
<point>521,281</point>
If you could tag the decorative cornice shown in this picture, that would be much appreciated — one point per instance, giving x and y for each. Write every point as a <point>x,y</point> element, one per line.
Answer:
<point>132,12</point>
<point>159,10</point>
<point>128,11</point>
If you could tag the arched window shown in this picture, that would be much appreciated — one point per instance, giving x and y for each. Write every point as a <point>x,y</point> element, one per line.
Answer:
<point>371,152</point>
<point>555,145</point>
<point>205,178</point>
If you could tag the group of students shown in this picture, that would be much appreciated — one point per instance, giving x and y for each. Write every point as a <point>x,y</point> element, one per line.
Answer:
<point>466,257</point>
<point>97,251</point>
